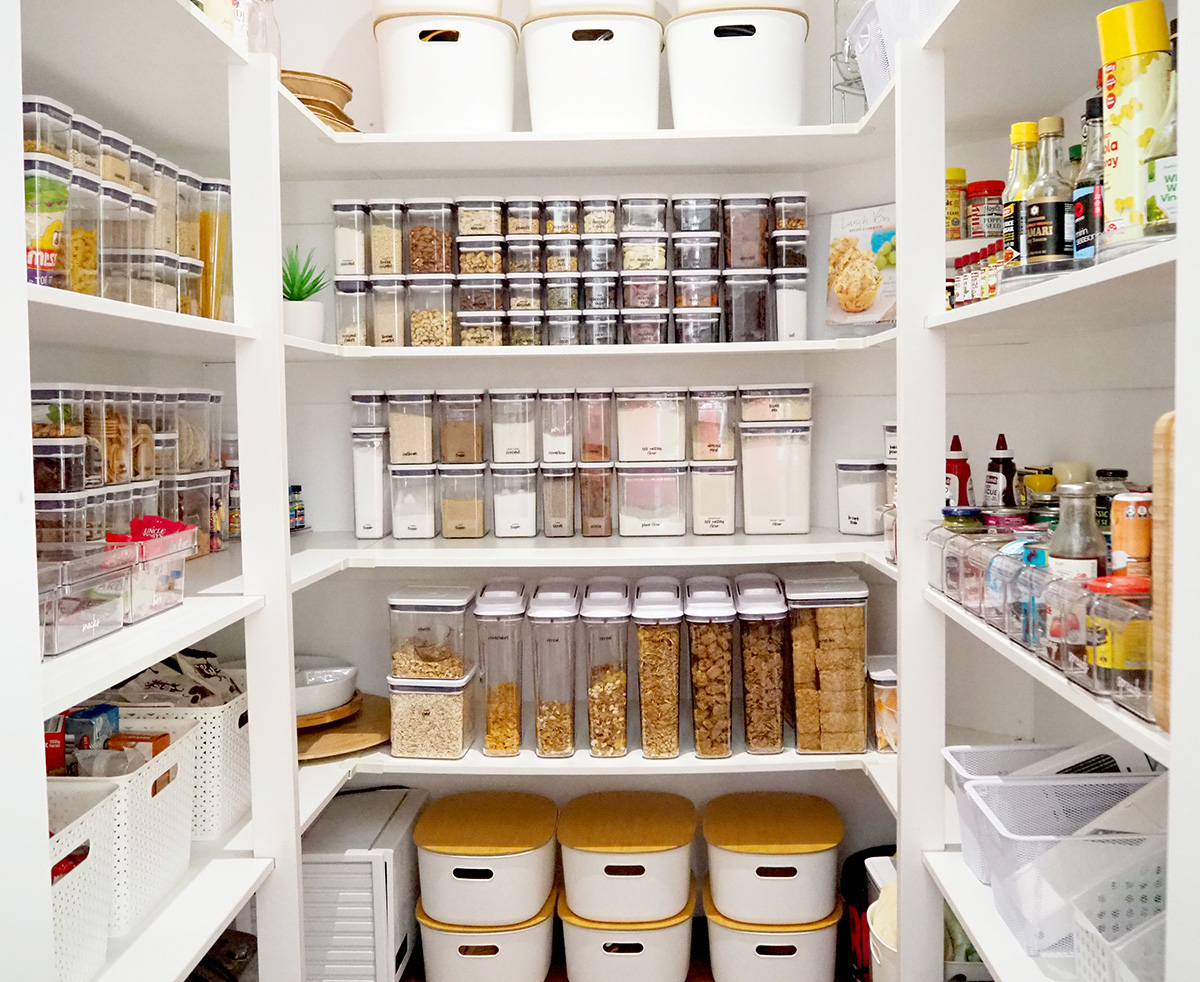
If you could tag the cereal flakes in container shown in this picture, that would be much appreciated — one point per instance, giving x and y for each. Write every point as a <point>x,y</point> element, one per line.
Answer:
<point>605,611</point>
<point>553,614</point>
<point>658,614</point>
<point>434,718</point>
<point>710,614</point>
<point>480,216</point>
<point>762,613</point>
<point>500,619</point>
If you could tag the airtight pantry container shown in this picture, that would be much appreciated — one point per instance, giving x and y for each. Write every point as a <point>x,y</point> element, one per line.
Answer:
<point>643,250</point>
<point>433,718</point>
<point>604,611</point>
<point>553,616</point>
<point>141,170</point>
<point>524,253</point>
<point>514,425</point>
<point>770,952</point>
<point>47,126</point>
<point>596,498</point>
<point>562,254</point>
<point>387,311</point>
<point>746,300</point>
<point>776,475</point>
<point>56,410</point>
<point>480,254</point>
<point>460,425</point>
<point>623,49</point>
<point>695,289</point>
<point>414,48</point>
<point>481,329</point>
<point>523,328</point>
<point>431,310</point>
<point>651,424</point>
<point>81,592</point>
<point>562,214</point>
<point>525,291</point>
<point>714,496</point>
<point>352,310</point>
<point>367,408</point>
<point>640,290</point>
<point>861,488</point>
<point>486,857</point>
<point>524,216</point>
<point>558,500</point>
<point>644,213</point>
<point>762,48</point>
<point>762,613</point>
<point>410,425</point>
<point>697,213</point>
<point>557,411</point>
<point>595,424</point>
<point>600,326</point>
<point>652,498</point>
<point>698,325</point>
<point>789,249</point>
<point>646,325</point>
<point>562,291</point>
<point>772,856</point>
<point>658,614</point>
<point>513,953</point>
<point>500,623</point>
<point>430,632</point>
<point>387,236</point>
<point>481,216</point>
<point>58,465</point>
<point>626,855</point>
<point>712,423</point>
<point>561,327</point>
<point>791,210</point>
<point>600,293</point>
<point>709,611</point>
<point>746,225</point>
<point>599,253</point>
<point>696,250</point>
<point>791,304</point>
<point>414,500</point>
<point>350,238</point>
<point>462,497</point>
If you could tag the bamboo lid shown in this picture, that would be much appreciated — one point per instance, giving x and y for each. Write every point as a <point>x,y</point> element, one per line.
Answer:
<point>772,822</point>
<point>570,917</point>
<point>486,823</point>
<point>714,915</point>
<point>546,911</point>
<point>627,821</point>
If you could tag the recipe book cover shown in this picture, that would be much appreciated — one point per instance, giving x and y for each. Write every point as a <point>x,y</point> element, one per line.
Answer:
<point>862,267</point>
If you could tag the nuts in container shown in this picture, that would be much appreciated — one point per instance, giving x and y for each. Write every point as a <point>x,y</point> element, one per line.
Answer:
<point>762,611</point>
<point>429,238</point>
<point>605,612</point>
<point>499,616</point>
<point>658,613</point>
<point>710,613</point>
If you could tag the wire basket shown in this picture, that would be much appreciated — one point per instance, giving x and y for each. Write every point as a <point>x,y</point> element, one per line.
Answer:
<point>865,36</point>
<point>906,20</point>
<point>1114,908</point>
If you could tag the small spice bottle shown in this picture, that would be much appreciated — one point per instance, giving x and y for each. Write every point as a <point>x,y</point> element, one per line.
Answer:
<point>985,209</point>
<point>956,202</point>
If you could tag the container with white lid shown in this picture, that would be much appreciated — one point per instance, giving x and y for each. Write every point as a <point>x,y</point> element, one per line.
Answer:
<point>651,424</point>
<point>714,497</point>
<point>47,125</point>
<point>891,441</point>
<point>514,425</point>
<point>696,250</point>
<point>862,488</point>
<point>658,614</point>
<point>430,632</point>
<point>595,498</point>
<point>791,210</point>
<point>461,425</point>
<point>651,498</point>
<point>747,304</point>
<point>558,500</point>
<point>553,615</point>
<point>699,325</point>
<point>368,448</point>
<point>499,617</point>
<point>626,855</point>
<point>513,953</point>
<point>697,212</point>
<point>480,216</point>
<point>486,858</point>
<point>429,223</point>
<point>387,235</point>
<point>433,718</point>
<point>789,249</point>
<point>481,329</point>
<point>605,611</point>
<point>85,145</point>
<point>599,214</point>
<point>525,291</point>
<point>712,423</point>
<point>772,856</point>
<point>414,500</point>
<point>595,424</point>
<point>557,410</point>
<point>523,216</point>
<point>351,237</point>
<point>645,289</point>
<point>646,325</point>
<point>599,253</point>
<point>462,492</point>
<point>410,421</point>
<point>562,254</point>
<point>561,327</point>
<point>762,613</point>
<point>352,310</point>
<point>885,682</point>
<point>791,304</point>
<point>644,212</point>
<point>600,292</point>
<point>776,477</point>
<point>367,407</point>
<point>771,952</point>
<point>524,253</point>
<point>643,250</point>
<point>710,612</point>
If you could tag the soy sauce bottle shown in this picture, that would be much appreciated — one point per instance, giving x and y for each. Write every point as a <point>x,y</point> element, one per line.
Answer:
<point>1049,204</point>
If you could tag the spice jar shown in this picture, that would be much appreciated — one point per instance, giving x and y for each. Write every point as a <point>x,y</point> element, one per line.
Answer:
<point>429,223</point>
<point>481,254</point>
<point>410,426</point>
<point>776,477</point>
<point>481,329</point>
<point>562,254</point>
<point>187,285</point>
<point>500,616</point>
<point>651,424</point>
<point>414,500</point>
<point>524,328</point>
<point>762,613</point>
<point>166,197</point>
<point>985,209</point>
<point>596,498</point>
<point>480,292</point>
<point>386,219</point>
<point>480,216</point>
<point>697,326</point>
<point>431,310</point>
<point>141,170</point>
<point>600,291</point>
<point>216,249</point>
<point>696,250</point>
<point>646,326</point>
<point>166,454</point>
<point>956,202</point>
<point>697,213</point>
<point>165,280</point>
<point>598,253</point>
<point>514,425</point>
<point>562,216</point>
<point>643,250</point>
<point>58,464</point>
<point>791,304</point>
<point>557,411</point>
<point>791,210</point>
<point>714,493</point>
<point>387,310</point>
<point>47,234</point>
<point>562,290</point>
<point>604,611</point>
<point>643,213</point>
<point>645,289</point>
<point>350,249</point>
<point>658,613</point>
<point>599,214</point>
<point>82,233</point>
<point>561,327</point>
<point>552,614</point>
<point>600,326</point>
<point>746,314</point>
<point>461,490</point>
<point>524,253</point>
<point>514,500</point>
<point>712,423</point>
<point>789,249</point>
<point>695,289</point>
<point>352,309</point>
<point>525,291</point>
<point>460,425</point>
<point>746,230</point>
<point>524,216</point>
<point>85,146</point>
<point>595,424</point>
<point>651,499</point>
<point>187,215</point>
<point>114,157</point>
<point>709,610</point>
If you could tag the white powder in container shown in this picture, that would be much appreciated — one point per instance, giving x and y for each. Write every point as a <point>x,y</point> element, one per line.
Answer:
<point>350,250</point>
<point>651,501</point>
<point>370,496</point>
<point>514,442</point>
<point>515,514</point>
<point>862,488</point>
<point>413,512</point>
<point>714,491</point>
<point>776,476</point>
<point>791,313</point>
<point>651,427</point>
<point>768,403</point>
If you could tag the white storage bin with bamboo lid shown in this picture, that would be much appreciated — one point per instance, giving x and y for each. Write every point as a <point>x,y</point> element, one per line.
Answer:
<point>486,858</point>
<point>772,856</point>
<point>770,952</point>
<point>627,855</point>
<point>649,951</point>
<point>513,953</point>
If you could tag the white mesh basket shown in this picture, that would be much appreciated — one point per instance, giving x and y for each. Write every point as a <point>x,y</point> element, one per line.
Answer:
<point>1142,955</point>
<point>970,763</point>
<point>1036,858</point>
<point>866,40</point>
<point>81,815</point>
<point>222,778</point>
<point>1115,906</point>
<point>906,20</point>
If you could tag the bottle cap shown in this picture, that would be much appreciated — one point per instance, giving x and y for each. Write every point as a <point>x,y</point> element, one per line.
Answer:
<point>1079,489</point>
<point>955,443</point>
<point>1050,126</point>
<point>1076,152</point>
<point>956,175</point>
<point>1023,133</point>
<point>977,188</point>
<point>1041,483</point>
<point>1133,29</point>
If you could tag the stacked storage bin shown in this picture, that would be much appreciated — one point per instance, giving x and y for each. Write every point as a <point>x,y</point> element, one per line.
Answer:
<point>628,893</point>
<point>771,898</point>
<point>486,862</point>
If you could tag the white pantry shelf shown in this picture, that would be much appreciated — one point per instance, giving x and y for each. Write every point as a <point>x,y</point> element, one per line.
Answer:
<point>1149,739</point>
<point>317,785</point>
<point>84,671</point>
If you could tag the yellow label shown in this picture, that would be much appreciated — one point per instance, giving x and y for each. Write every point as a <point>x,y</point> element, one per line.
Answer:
<point>1118,644</point>
<point>1135,96</point>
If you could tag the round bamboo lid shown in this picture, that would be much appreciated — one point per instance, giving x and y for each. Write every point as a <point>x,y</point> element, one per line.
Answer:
<point>772,822</point>
<point>627,821</point>
<point>714,915</point>
<point>486,823</point>
<point>546,911</point>
<point>570,917</point>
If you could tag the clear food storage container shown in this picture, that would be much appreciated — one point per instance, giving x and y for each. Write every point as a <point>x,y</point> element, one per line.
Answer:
<point>114,231</point>
<point>1025,593</point>
<point>562,291</point>
<point>558,500</point>
<point>1118,634</point>
<point>789,250</point>
<point>885,702</point>
<point>56,409</point>
<point>698,326</point>
<point>604,611</point>
<point>414,500</point>
<point>645,290</point>
<point>142,423</point>
<point>710,612</point>
<point>776,403</point>
<point>596,499</point>
<point>85,145</point>
<point>156,581</point>
<point>643,250</point>
<point>60,517</point>
<point>861,488</point>
<point>651,424</point>
<point>410,425</point>
<point>190,272</point>
<point>525,291</point>
<point>82,235</point>
<point>58,464</point>
<point>168,497</point>
<point>791,304</point>
<point>523,329</point>
<point>644,213</point>
<point>762,614</point>
<point>514,425</point>
<point>600,293</point>
<point>600,327</point>
<point>164,280</point>
<point>697,213</point>
<point>216,249</point>
<point>557,411</point>
<point>367,407</point>
<point>82,593</point>
<point>462,494</point>
<point>117,435</point>
<point>166,195</point>
<point>975,567</point>
<point>460,425</point>
<point>553,615</point>
<point>562,216</point>
<point>714,497</point>
<point>114,157</point>
<point>433,718</point>
<point>141,170</point>
<point>431,310</point>
<point>94,428</point>
<point>696,250</point>
<point>562,254</point>
<point>193,428</point>
<point>524,216</point>
<point>712,422</point>
<point>481,254</point>
<point>187,214</point>
<point>480,216</point>
<point>747,316</point>
<point>352,309</point>
<point>118,510</point>
<point>387,311</point>
<point>595,424</point>
<point>525,254</point>
<point>599,253</point>
<point>658,614</point>
<point>561,327</point>
<point>746,223</point>
<point>128,277</point>
<point>430,631</point>
<point>193,492</point>
<point>514,500</point>
<point>141,223</point>
<point>387,235</point>
<point>1062,625</point>
<point>827,613</point>
<point>646,325</point>
<point>599,215</point>
<point>430,223</point>
<point>500,623</point>
<point>953,559</point>
<point>651,498</point>
<point>218,509</point>
<point>481,329</point>
<point>791,211</point>
<point>166,454</point>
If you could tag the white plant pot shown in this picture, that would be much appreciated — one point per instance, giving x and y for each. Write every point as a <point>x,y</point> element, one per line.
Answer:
<point>304,319</point>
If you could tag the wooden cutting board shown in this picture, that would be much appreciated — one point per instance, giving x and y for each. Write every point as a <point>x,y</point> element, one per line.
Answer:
<point>369,728</point>
<point>1162,566</point>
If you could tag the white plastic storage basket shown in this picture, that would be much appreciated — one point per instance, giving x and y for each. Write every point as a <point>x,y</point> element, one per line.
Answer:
<point>221,794</point>
<point>1037,853</point>
<point>550,8</point>
<point>866,41</point>
<point>1142,955</point>
<point>520,953</point>
<point>618,52</point>
<point>737,69</point>
<point>388,8</point>
<point>81,815</point>
<point>446,73</point>
<point>1117,904</point>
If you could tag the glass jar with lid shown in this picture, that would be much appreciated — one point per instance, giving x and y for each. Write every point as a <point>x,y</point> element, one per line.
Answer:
<point>481,253</point>
<point>697,212</point>
<point>187,214</point>
<point>558,500</point>
<point>524,216</point>
<point>791,211</point>
<point>430,222</point>
<point>1118,635</point>
<point>525,291</point>
<point>524,253</point>
<point>562,216</point>
<point>524,328</point>
<point>709,611</point>
<point>85,145</point>
<point>599,253</point>
<point>696,250</point>
<point>600,291</point>
<point>480,216</point>
<point>500,619</point>
<point>599,214</point>
<point>644,213</point>
<point>596,498</point>
<point>514,500</point>
<point>83,242</point>
<point>600,327</point>
<point>165,193</point>
<point>386,219</point>
<point>646,325</point>
<point>605,613</point>
<point>553,614</point>
<point>431,310</point>
<point>141,170</point>
<point>762,611</point>
<point>481,329</point>
<point>410,426</point>
<point>352,309</point>
<point>561,327</point>
<point>114,157</point>
<point>387,310</point>
<point>746,226</point>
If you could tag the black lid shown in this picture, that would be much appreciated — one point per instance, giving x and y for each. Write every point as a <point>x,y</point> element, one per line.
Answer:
<point>1112,473</point>
<point>1095,107</point>
<point>293,489</point>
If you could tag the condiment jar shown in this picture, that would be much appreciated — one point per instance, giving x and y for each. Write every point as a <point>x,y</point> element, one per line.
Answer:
<point>697,213</point>
<point>500,616</point>
<point>1118,635</point>
<point>352,309</point>
<point>386,220</point>
<point>709,610</point>
<point>644,213</point>
<point>430,222</point>
<point>605,613</point>
<point>596,498</point>
<point>762,612</point>
<point>599,214</point>
<point>552,614</point>
<point>85,145</point>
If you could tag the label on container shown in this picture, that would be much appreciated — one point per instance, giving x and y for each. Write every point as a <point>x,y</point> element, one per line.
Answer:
<point>956,198</point>
<point>955,497</point>
<point>1049,231</point>
<point>1118,644</point>
<point>995,484</point>
<point>986,215</point>
<point>1015,222</point>
<point>1073,569</point>
<point>1162,190</point>
<point>1089,219</point>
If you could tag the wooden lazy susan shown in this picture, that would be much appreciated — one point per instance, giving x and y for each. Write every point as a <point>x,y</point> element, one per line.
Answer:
<point>362,723</point>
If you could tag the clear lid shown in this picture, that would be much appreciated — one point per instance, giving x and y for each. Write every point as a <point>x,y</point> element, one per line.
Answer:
<point>503,598</point>
<point>431,279</point>
<point>168,260</point>
<point>126,394</point>
<point>656,236</point>
<point>650,199</point>
<point>822,581</point>
<point>891,426</point>
<point>702,275</point>
<point>481,318</point>
<point>556,393</point>
<point>564,469</point>
<point>605,598</point>
<point>410,395</point>
<point>708,598</point>
<point>859,465</point>
<point>367,432</point>
<point>559,277</point>
<point>432,685</point>
<point>126,490</point>
<point>44,163</point>
<point>696,236</point>
<point>349,204</point>
<point>608,238</point>
<point>554,599</point>
<point>659,314</point>
<point>41,391</point>
<point>672,467</point>
<point>193,267</point>
<point>536,202</point>
<point>598,199</point>
<point>366,395</point>
<point>58,500</point>
<point>782,389</point>
<point>714,391</point>
<point>215,184</point>
<point>611,274</point>
<point>759,595</point>
<point>442,598</point>
<point>66,446</point>
<point>514,470</point>
<point>386,281</point>
<point>657,599</point>
<point>715,466</point>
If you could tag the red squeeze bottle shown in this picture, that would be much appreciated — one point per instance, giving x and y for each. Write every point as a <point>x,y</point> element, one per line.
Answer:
<point>960,493</point>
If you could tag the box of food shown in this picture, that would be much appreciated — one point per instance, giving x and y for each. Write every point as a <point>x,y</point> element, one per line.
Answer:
<point>861,288</point>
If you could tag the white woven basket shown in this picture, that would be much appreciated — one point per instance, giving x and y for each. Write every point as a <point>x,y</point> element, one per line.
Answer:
<point>81,814</point>
<point>222,777</point>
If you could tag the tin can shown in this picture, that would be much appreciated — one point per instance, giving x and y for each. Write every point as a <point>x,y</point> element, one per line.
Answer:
<point>1007,519</point>
<point>1132,524</point>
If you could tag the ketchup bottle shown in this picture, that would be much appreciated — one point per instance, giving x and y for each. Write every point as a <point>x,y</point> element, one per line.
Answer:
<point>960,492</point>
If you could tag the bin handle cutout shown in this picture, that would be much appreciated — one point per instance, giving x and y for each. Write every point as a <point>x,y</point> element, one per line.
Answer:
<point>83,851</point>
<point>735,31</point>
<point>776,872</point>
<point>165,778</point>
<point>775,950</point>
<point>243,719</point>
<point>592,34</point>
<point>623,948</point>
<point>467,873</point>
<point>624,870</point>
<point>478,950</point>
<point>435,34</point>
